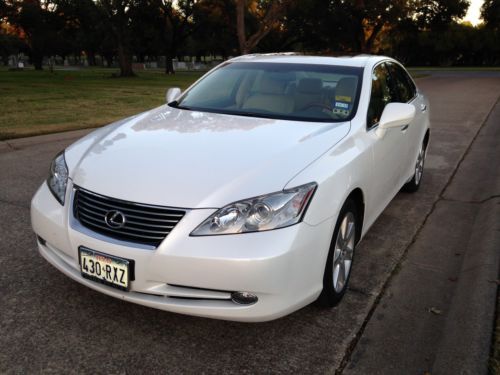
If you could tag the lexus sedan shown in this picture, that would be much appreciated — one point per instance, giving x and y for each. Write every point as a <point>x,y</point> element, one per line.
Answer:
<point>242,198</point>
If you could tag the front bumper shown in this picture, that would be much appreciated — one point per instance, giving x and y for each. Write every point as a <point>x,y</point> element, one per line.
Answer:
<point>196,275</point>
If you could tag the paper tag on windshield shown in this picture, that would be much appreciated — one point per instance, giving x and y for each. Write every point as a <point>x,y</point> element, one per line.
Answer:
<point>342,98</point>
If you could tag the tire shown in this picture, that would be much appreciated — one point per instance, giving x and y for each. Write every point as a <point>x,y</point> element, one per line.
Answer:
<point>414,184</point>
<point>340,256</point>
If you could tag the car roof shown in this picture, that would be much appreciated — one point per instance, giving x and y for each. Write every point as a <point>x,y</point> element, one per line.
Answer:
<point>293,58</point>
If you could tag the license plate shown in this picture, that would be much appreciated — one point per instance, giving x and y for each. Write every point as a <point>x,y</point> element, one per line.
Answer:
<point>104,268</point>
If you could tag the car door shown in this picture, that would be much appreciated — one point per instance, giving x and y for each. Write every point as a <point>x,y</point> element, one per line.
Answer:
<point>390,151</point>
<point>406,91</point>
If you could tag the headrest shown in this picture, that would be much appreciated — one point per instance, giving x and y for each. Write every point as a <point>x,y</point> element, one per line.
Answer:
<point>270,85</point>
<point>346,87</point>
<point>310,86</point>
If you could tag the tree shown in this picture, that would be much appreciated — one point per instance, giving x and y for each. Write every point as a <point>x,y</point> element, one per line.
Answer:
<point>368,18</point>
<point>10,44</point>
<point>346,26</point>
<point>175,27</point>
<point>490,12</point>
<point>214,27</point>
<point>268,14</point>
<point>83,26</point>
<point>40,27</point>
<point>118,23</point>
<point>437,15</point>
<point>146,29</point>
<point>10,41</point>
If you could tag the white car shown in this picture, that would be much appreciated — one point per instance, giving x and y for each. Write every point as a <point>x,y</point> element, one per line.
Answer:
<point>244,197</point>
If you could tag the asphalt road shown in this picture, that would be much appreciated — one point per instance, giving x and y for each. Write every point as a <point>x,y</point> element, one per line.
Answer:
<point>49,323</point>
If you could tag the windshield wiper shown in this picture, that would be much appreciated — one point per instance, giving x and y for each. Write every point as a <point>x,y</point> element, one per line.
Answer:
<point>175,104</point>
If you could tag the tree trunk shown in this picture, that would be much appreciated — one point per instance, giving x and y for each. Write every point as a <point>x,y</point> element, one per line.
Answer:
<point>91,58</point>
<point>368,47</point>
<point>125,62</point>
<point>274,13</point>
<point>240,25</point>
<point>37,61</point>
<point>108,57</point>
<point>169,64</point>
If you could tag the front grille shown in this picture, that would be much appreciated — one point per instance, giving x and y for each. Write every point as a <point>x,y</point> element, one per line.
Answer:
<point>144,224</point>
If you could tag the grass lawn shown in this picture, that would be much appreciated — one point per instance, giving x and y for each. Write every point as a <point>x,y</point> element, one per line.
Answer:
<point>35,103</point>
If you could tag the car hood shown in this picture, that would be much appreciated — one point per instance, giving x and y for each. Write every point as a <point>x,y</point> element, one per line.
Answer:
<point>190,159</point>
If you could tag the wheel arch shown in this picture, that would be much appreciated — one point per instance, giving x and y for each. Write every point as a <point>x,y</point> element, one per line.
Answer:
<point>358,198</point>
<point>427,137</point>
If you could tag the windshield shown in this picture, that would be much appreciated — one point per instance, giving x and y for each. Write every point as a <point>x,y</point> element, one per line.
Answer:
<point>289,91</point>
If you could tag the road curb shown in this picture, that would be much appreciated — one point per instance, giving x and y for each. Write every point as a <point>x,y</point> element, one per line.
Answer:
<point>20,143</point>
<point>465,346</point>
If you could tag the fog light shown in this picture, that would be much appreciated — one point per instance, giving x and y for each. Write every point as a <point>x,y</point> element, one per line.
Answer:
<point>41,240</point>
<point>244,298</point>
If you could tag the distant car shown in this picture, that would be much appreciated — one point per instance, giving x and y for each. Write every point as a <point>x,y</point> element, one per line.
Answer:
<point>244,197</point>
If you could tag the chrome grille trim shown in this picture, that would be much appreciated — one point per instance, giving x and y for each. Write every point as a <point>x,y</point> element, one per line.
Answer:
<point>145,224</point>
<point>117,204</point>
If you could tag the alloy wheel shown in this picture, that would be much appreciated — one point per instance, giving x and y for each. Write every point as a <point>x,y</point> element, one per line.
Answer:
<point>344,249</point>
<point>419,167</point>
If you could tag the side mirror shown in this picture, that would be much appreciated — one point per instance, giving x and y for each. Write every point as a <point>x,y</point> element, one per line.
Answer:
<point>172,94</point>
<point>395,115</point>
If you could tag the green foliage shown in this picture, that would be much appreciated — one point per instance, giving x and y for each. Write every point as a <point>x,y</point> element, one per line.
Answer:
<point>9,45</point>
<point>437,15</point>
<point>490,12</point>
<point>418,32</point>
<point>456,45</point>
<point>214,28</point>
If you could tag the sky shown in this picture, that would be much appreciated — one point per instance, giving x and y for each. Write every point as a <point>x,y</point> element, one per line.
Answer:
<point>474,12</point>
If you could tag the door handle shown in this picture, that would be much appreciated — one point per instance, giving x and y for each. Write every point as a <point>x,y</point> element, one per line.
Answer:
<point>404,128</point>
<point>423,107</point>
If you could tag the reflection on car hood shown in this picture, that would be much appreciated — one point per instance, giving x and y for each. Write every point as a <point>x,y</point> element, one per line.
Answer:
<point>190,159</point>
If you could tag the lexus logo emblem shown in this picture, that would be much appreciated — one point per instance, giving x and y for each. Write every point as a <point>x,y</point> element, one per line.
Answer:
<point>114,219</point>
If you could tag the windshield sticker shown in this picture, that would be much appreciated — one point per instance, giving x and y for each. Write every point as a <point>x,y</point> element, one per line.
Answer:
<point>341,109</point>
<point>342,105</point>
<point>342,98</point>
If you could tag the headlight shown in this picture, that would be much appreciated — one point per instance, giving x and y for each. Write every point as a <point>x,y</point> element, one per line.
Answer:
<point>272,211</point>
<point>58,177</point>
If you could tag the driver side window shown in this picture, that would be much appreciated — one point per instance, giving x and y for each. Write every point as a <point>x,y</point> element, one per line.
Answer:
<point>382,94</point>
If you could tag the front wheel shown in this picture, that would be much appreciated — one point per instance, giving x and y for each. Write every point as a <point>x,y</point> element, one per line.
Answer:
<point>414,184</point>
<point>339,261</point>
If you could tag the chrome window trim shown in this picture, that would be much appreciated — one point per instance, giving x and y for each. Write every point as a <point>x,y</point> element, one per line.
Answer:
<point>409,75</point>
<point>375,125</point>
